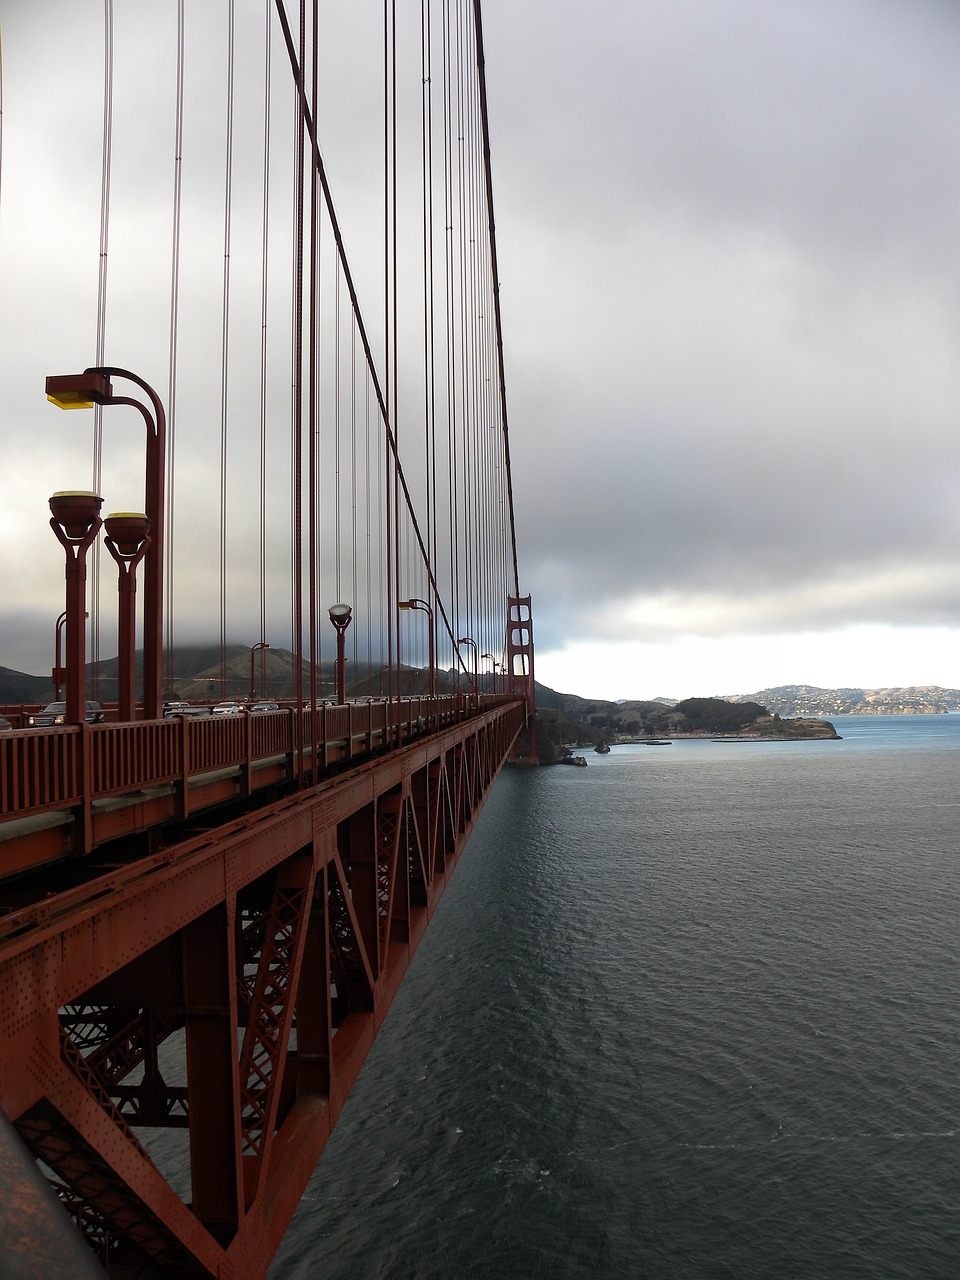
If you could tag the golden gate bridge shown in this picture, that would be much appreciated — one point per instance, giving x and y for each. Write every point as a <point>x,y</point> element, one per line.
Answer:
<point>204,919</point>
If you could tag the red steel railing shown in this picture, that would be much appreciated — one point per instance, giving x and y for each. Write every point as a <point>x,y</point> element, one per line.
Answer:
<point>73,767</point>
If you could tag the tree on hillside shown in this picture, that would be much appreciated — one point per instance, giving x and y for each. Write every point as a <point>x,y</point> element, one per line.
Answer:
<point>715,715</point>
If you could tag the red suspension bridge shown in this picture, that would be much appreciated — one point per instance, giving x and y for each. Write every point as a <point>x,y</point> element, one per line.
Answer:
<point>204,919</point>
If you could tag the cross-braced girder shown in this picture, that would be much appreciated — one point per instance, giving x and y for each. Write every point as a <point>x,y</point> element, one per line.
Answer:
<point>250,970</point>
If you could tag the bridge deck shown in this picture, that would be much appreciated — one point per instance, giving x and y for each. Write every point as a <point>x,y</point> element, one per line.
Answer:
<point>228,984</point>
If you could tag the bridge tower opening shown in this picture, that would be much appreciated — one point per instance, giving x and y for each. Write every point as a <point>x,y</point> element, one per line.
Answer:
<point>520,674</point>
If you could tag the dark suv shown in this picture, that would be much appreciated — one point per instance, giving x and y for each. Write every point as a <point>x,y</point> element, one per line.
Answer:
<point>56,713</point>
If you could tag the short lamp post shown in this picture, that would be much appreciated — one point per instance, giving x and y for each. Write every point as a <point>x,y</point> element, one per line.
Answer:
<point>83,391</point>
<point>128,541</point>
<point>262,646</point>
<point>340,616</point>
<point>75,519</point>
<point>423,607</point>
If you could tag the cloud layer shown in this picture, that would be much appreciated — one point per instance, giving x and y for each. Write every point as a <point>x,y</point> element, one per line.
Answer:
<point>730,288</point>
<point>731,299</point>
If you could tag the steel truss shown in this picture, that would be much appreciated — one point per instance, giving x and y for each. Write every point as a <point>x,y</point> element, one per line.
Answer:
<point>230,987</point>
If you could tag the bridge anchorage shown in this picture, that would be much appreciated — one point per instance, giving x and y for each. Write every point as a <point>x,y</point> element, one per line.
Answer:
<point>205,914</point>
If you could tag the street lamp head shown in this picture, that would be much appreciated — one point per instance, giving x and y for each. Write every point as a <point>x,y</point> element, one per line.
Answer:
<point>128,530</point>
<point>75,510</point>
<point>340,615</point>
<point>79,390</point>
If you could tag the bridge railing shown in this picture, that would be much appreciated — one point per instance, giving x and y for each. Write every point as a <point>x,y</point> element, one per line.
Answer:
<point>69,769</point>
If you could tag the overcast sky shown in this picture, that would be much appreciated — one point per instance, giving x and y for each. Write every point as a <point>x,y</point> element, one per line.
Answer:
<point>728,236</point>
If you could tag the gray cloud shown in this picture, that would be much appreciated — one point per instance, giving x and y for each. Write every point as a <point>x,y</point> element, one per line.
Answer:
<point>728,247</point>
<point>730,291</point>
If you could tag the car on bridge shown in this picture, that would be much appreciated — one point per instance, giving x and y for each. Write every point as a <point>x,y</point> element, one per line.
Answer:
<point>56,713</point>
<point>171,709</point>
<point>264,706</point>
<point>227,709</point>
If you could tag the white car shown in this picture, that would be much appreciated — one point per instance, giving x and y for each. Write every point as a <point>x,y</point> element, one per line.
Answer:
<point>227,709</point>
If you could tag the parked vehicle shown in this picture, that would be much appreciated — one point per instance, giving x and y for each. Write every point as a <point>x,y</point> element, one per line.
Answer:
<point>56,713</point>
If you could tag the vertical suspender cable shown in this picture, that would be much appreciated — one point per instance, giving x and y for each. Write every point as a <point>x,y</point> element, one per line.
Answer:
<point>106,160</point>
<point>314,393</point>
<point>429,334</point>
<point>297,422</point>
<point>354,583</point>
<point>394,402</point>
<point>225,348</point>
<point>449,312</point>
<point>264,296</point>
<point>174,340</point>
<point>388,362</point>
<point>337,492</point>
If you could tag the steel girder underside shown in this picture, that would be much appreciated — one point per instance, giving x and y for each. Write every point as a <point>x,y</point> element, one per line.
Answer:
<point>230,988</point>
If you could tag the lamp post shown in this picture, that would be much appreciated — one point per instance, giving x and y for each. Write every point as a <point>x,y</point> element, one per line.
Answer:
<point>75,519</point>
<point>340,615</point>
<point>262,646</point>
<point>423,607</point>
<point>493,664</point>
<point>82,391</point>
<point>58,673</point>
<point>128,540</point>
<point>470,640</point>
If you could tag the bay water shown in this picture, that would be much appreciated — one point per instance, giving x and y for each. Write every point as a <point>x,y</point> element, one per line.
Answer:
<point>690,1012</point>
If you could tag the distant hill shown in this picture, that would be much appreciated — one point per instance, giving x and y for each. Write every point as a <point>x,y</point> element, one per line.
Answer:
<point>16,687</point>
<point>193,672</point>
<point>809,700</point>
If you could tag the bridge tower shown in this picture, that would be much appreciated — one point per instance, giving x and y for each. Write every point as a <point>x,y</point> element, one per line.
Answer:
<point>520,672</point>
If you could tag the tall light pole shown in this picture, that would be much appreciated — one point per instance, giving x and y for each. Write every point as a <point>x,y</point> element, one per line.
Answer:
<point>128,540</point>
<point>75,519</point>
<point>340,615</point>
<point>495,667</point>
<point>261,645</point>
<point>470,640</point>
<point>423,607</point>
<point>83,391</point>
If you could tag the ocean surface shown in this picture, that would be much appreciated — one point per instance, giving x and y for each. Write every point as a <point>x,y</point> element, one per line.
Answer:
<point>691,1012</point>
